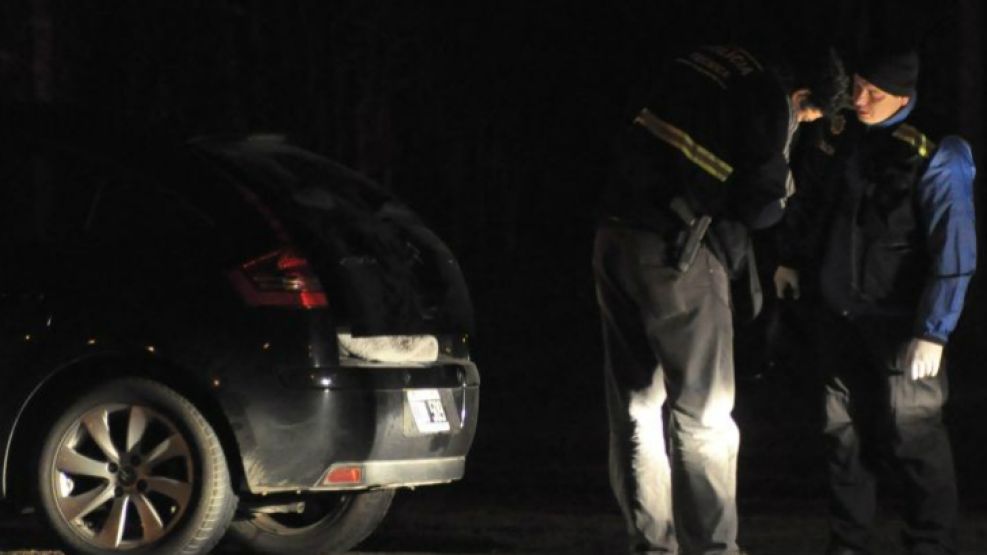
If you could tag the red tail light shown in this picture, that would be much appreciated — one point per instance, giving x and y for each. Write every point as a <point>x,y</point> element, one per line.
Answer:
<point>281,278</point>
<point>347,474</point>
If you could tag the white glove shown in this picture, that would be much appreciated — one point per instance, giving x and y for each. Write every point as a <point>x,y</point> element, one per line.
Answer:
<point>921,359</point>
<point>786,279</point>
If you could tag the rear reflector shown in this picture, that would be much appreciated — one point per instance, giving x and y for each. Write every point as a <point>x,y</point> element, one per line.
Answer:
<point>280,278</point>
<point>344,475</point>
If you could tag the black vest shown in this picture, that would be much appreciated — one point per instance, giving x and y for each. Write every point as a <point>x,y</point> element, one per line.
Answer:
<point>876,261</point>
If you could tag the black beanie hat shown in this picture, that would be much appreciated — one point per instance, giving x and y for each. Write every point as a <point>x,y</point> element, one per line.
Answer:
<point>894,72</point>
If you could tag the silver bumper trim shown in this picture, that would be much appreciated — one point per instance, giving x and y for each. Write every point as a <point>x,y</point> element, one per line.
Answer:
<point>399,473</point>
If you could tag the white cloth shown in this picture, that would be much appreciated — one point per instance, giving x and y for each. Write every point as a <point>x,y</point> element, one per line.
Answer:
<point>390,348</point>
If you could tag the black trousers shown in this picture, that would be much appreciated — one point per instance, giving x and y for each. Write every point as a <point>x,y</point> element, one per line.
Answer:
<point>877,417</point>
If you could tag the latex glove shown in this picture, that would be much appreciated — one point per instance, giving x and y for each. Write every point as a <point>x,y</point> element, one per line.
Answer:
<point>921,359</point>
<point>786,279</point>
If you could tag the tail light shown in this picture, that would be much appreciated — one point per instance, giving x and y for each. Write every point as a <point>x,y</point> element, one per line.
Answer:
<point>281,278</point>
<point>344,474</point>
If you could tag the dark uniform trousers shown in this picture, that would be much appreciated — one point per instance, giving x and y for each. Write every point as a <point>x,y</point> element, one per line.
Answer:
<point>668,341</point>
<point>875,414</point>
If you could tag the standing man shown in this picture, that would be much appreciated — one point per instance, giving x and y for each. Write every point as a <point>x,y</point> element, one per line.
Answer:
<point>703,161</point>
<point>897,255</point>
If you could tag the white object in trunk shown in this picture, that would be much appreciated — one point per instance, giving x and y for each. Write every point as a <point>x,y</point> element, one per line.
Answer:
<point>390,348</point>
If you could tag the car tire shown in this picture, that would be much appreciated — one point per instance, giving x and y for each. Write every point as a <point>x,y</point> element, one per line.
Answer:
<point>331,523</point>
<point>132,466</point>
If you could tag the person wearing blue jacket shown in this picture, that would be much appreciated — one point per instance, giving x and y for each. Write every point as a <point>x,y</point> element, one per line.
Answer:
<point>884,233</point>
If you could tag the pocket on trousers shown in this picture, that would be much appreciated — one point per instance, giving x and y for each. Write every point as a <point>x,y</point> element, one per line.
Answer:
<point>664,290</point>
<point>670,292</point>
<point>920,399</point>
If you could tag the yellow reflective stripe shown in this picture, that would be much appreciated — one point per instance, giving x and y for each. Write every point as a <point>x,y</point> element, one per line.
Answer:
<point>916,138</point>
<point>683,142</point>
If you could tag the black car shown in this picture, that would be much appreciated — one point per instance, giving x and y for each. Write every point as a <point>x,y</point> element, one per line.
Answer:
<point>228,329</point>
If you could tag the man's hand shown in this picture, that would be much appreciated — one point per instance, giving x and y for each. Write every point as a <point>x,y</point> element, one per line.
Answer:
<point>921,359</point>
<point>786,279</point>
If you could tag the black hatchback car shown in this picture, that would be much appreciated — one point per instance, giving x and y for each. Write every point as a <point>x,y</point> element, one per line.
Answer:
<point>221,336</point>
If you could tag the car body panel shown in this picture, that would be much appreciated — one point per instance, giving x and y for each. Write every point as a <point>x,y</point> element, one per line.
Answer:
<point>85,302</point>
<point>289,444</point>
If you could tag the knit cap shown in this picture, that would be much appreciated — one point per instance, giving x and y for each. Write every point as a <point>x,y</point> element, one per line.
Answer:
<point>893,72</point>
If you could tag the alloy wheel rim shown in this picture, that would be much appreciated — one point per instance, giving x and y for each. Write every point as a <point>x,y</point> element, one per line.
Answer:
<point>122,476</point>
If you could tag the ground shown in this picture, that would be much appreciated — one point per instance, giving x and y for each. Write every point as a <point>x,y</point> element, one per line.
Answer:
<point>463,519</point>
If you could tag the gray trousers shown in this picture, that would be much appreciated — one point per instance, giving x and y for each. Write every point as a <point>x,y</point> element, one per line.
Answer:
<point>668,345</point>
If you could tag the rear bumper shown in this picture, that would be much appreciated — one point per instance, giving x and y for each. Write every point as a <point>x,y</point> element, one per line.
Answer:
<point>382,474</point>
<point>357,415</point>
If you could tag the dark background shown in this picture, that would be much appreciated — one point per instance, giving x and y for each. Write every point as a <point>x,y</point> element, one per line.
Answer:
<point>494,120</point>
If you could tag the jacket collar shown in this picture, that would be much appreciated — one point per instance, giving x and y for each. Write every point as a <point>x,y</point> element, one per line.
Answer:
<point>899,116</point>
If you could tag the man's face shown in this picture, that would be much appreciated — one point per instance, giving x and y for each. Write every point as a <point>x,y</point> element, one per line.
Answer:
<point>872,104</point>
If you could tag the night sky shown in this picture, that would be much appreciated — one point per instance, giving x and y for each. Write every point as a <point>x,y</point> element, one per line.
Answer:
<point>494,121</point>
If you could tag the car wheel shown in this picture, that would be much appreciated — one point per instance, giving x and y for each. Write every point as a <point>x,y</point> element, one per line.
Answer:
<point>133,466</point>
<point>328,523</point>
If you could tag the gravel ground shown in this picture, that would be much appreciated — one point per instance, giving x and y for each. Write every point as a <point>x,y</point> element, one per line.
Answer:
<point>475,518</point>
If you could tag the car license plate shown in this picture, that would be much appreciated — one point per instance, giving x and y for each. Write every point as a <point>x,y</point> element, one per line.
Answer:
<point>426,407</point>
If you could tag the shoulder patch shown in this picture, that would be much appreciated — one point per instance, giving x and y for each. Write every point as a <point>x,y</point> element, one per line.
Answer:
<point>916,139</point>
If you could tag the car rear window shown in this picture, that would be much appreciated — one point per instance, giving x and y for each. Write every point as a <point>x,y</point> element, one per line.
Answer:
<point>284,171</point>
<point>395,275</point>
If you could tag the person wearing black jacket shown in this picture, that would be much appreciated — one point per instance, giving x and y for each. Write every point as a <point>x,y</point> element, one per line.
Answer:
<point>702,162</point>
<point>885,244</point>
